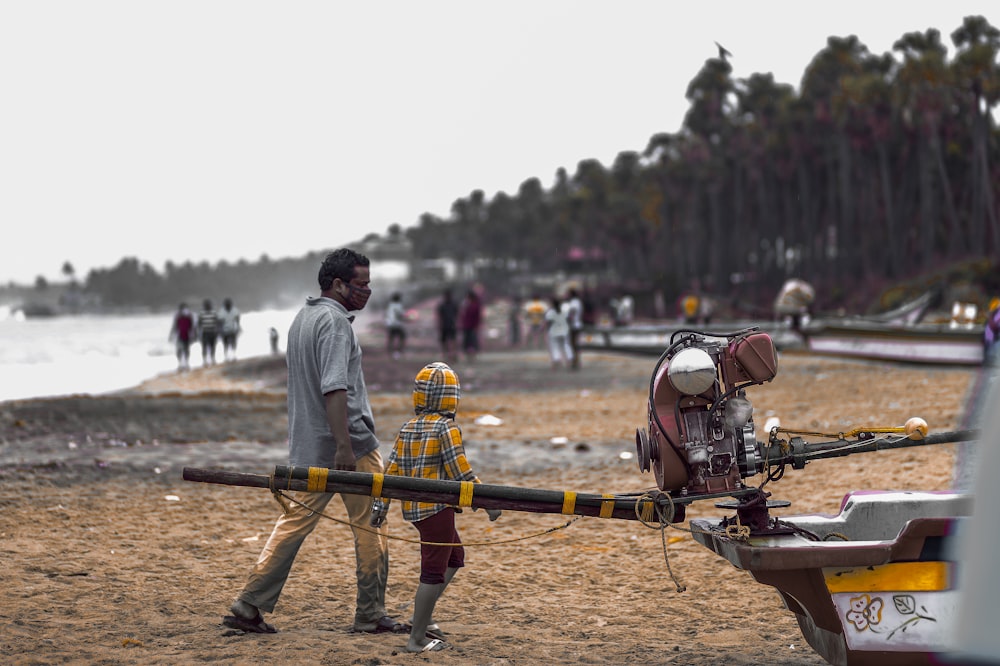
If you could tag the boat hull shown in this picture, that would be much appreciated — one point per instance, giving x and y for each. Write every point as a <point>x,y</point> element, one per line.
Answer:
<point>916,344</point>
<point>651,339</point>
<point>887,595</point>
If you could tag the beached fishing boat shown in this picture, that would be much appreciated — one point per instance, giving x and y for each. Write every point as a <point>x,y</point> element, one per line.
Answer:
<point>875,584</point>
<point>652,339</point>
<point>904,333</point>
<point>916,343</point>
<point>855,338</point>
<point>900,334</point>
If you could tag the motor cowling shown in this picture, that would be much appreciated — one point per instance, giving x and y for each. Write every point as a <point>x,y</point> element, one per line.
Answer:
<point>700,436</point>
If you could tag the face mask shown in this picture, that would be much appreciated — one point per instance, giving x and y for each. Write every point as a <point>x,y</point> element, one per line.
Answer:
<point>357,297</point>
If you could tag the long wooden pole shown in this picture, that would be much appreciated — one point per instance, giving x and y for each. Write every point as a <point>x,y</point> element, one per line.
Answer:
<point>467,494</point>
<point>800,452</point>
<point>639,506</point>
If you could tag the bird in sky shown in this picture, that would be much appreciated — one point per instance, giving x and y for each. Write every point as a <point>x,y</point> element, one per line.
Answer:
<point>723,53</point>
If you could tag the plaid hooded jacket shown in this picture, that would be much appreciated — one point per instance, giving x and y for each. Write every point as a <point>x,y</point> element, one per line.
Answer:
<point>429,446</point>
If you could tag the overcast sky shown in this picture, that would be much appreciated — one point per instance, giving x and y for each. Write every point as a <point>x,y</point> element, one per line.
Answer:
<point>224,130</point>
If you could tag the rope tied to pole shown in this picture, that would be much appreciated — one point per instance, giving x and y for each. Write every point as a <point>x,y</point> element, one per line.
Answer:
<point>645,506</point>
<point>278,496</point>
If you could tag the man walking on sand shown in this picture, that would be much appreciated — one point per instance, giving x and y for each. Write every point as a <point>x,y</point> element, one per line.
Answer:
<point>330,425</point>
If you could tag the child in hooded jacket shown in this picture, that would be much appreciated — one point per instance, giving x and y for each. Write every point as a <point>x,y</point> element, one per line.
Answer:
<point>429,446</point>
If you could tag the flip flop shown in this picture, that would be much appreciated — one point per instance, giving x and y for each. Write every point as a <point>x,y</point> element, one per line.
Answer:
<point>384,625</point>
<point>254,626</point>
<point>435,645</point>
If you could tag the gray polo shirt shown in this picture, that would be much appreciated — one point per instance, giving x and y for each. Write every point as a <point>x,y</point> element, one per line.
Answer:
<point>323,355</point>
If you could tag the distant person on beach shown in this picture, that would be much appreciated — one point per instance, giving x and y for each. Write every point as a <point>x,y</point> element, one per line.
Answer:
<point>330,425</point>
<point>229,318</point>
<point>706,309</point>
<point>514,322</point>
<point>273,335</point>
<point>622,310</point>
<point>574,315</point>
<point>429,446</point>
<point>470,318</point>
<point>690,306</point>
<point>447,322</point>
<point>208,328</point>
<point>793,302</point>
<point>557,324</point>
<point>534,314</point>
<point>182,334</point>
<point>395,326</point>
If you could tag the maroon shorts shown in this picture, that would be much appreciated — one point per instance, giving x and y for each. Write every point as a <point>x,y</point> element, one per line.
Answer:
<point>436,560</point>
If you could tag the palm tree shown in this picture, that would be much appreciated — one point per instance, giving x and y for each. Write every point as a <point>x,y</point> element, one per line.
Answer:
<point>975,71</point>
<point>822,90</point>
<point>926,86</point>
<point>764,174</point>
<point>709,120</point>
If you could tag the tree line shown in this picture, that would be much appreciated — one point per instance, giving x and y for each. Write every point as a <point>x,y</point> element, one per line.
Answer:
<point>133,284</point>
<point>879,168</point>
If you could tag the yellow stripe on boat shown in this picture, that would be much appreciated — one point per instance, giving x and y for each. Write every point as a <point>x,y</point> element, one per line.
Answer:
<point>894,577</point>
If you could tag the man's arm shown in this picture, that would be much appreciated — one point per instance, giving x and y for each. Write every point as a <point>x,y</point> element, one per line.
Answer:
<point>336,417</point>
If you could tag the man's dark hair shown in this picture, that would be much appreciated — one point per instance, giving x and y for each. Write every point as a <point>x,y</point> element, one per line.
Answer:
<point>340,264</point>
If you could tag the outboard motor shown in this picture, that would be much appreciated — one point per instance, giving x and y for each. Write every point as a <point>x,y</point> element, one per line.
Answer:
<point>701,438</point>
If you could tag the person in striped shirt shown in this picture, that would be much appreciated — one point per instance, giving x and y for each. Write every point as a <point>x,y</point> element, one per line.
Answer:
<point>208,325</point>
<point>429,446</point>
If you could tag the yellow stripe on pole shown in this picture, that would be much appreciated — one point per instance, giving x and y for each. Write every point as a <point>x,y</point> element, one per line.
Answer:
<point>894,577</point>
<point>377,479</point>
<point>465,493</point>
<point>607,507</point>
<point>569,502</point>
<point>317,479</point>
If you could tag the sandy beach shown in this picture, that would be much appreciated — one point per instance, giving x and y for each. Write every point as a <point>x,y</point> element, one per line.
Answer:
<point>110,557</point>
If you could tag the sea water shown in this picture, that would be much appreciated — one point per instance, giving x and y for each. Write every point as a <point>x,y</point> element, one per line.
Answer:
<point>94,354</point>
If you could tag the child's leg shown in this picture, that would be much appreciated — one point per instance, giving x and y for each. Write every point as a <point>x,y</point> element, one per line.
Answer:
<point>423,607</point>
<point>438,566</point>
<point>448,575</point>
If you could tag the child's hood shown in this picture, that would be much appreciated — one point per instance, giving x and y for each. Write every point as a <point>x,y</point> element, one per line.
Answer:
<point>436,390</point>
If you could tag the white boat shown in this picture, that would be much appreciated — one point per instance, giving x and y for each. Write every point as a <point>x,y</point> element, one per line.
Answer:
<point>653,339</point>
<point>917,343</point>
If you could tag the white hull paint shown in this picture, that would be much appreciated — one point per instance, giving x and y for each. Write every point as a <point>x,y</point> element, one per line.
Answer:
<point>916,344</point>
